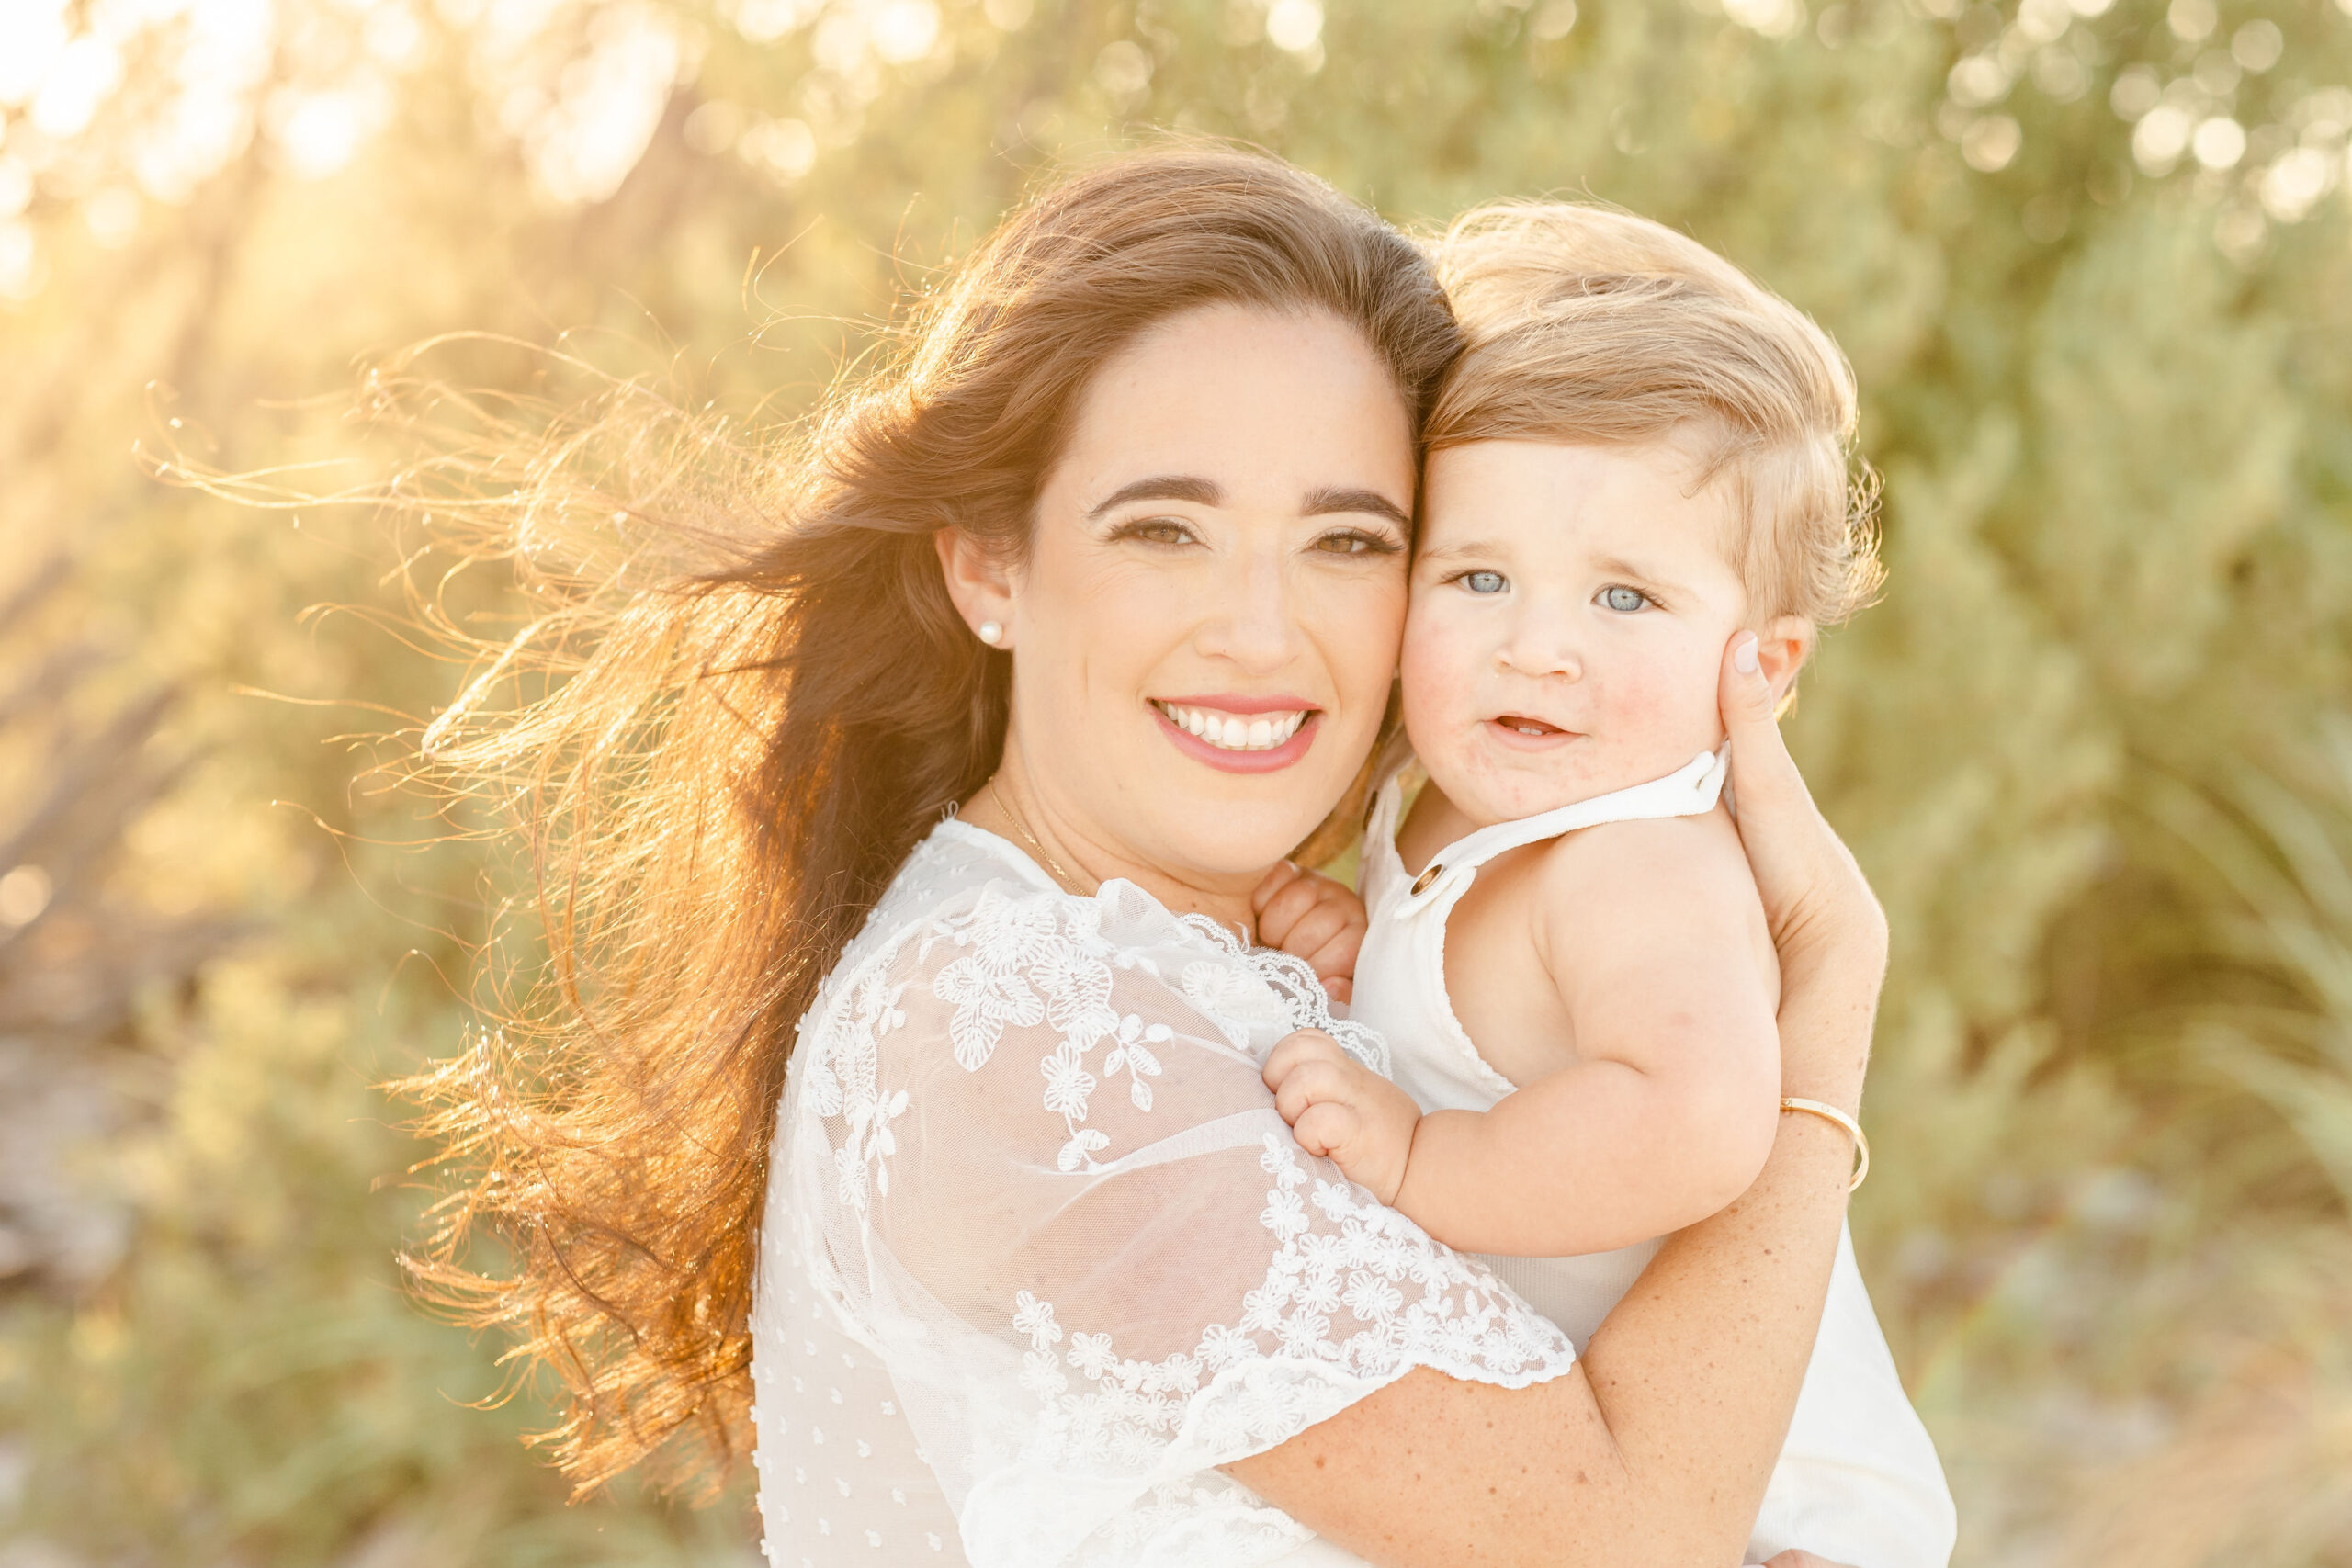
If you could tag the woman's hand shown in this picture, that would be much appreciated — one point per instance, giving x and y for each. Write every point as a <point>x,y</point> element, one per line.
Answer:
<point>1309,916</point>
<point>1826,921</point>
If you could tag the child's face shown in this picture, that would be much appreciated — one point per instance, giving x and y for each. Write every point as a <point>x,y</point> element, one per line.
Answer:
<point>1570,608</point>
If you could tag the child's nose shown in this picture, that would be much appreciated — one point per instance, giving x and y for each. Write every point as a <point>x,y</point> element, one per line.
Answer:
<point>1540,646</point>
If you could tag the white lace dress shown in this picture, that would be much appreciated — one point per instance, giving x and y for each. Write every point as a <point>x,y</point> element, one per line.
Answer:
<point>1039,1255</point>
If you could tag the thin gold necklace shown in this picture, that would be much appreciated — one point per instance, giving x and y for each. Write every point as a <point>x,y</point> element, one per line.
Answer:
<point>1069,884</point>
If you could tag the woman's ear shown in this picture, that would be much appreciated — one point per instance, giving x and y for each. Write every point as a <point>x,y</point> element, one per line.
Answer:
<point>1781,648</point>
<point>978,585</point>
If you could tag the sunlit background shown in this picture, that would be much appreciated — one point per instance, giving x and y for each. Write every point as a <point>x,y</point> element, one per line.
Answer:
<point>2090,256</point>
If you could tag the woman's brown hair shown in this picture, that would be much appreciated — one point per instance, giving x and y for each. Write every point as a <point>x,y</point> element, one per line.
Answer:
<point>746,739</point>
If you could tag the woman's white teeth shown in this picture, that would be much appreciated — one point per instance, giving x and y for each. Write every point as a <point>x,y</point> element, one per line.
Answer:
<point>1232,732</point>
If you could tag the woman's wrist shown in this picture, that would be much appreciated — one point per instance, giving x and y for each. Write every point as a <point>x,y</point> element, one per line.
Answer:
<point>1828,1007</point>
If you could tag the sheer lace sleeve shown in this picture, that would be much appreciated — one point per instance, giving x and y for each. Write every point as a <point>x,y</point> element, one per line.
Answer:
<point>1037,1169</point>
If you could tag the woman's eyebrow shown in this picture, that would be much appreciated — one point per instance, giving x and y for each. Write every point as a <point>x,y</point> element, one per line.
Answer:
<point>1334,497</point>
<point>1161,487</point>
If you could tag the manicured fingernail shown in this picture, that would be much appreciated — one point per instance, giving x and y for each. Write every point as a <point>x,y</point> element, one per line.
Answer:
<point>1743,655</point>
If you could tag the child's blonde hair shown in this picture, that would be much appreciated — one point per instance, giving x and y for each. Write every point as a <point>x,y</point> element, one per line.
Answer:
<point>1588,324</point>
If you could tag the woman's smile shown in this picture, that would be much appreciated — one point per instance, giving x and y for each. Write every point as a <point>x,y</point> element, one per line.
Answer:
<point>1239,734</point>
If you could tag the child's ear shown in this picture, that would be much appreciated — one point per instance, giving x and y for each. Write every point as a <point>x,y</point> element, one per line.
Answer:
<point>1781,648</point>
<point>977,583</point>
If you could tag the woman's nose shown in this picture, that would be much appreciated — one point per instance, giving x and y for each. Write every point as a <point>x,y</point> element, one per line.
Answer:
<point>1256,621</point>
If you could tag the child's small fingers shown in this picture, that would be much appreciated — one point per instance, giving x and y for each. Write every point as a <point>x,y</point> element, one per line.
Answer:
<point>1335,959</point>
<point>1299,1045</point>
<point>1326,1128</point>
<point>1289,905</point>
<point>1316,930</point>
<point>1280,875</point>
<point>1310,1083</point>
<point>1341,988</point>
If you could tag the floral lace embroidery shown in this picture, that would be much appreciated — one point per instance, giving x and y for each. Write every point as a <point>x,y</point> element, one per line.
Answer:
<point>1351,1294</point>
<point>842,1083</point>
<point>1460,1322</point>
<point>1044,957</point>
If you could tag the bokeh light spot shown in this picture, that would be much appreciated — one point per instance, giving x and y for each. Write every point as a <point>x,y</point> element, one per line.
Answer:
<point>2191,21</point>
<point>1771,18</point>
<point>26,891</point>
<point>2218,143</point>
<point>904,30</point>
<point>1294,25</point>
<point>1991,143</point>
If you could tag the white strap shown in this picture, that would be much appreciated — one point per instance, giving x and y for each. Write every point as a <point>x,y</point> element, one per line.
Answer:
<point>1689,791</point>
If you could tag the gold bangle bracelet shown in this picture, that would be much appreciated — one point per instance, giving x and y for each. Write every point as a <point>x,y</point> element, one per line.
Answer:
<point>1853,1129</point>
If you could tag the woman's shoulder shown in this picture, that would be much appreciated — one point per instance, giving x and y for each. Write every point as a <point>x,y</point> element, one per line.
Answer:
<point>952,871</point>
<point>971,920</point>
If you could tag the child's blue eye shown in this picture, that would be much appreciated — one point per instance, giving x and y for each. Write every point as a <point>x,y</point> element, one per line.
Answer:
<point>1483,581</point>
<point>1625,599</point>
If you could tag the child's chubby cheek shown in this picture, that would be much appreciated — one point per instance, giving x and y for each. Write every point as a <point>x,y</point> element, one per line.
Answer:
<point>1646,721</point>
<point>1627,724</point>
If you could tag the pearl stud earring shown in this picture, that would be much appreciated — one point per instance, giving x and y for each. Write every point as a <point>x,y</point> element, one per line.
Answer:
<point>991,632</point>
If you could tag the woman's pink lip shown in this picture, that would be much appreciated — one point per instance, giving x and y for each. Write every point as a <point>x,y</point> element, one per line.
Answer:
<point>1228,704</point>
<point>1273,759</point>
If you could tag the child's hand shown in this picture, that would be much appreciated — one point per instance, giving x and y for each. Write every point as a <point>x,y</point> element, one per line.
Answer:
<point>1343,1111</point>
<point>1309,916</point>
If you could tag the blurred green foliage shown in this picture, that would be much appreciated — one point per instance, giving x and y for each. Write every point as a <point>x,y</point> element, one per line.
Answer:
<point>2091,260</point>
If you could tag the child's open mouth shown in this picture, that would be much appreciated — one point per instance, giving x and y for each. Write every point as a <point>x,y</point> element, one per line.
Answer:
<point>1533,728</point>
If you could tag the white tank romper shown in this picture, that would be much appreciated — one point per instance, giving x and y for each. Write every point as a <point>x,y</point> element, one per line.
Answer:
<point>1857,1479</point>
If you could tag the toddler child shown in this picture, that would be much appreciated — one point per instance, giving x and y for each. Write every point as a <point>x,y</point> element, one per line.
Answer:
<point>1641,456</point>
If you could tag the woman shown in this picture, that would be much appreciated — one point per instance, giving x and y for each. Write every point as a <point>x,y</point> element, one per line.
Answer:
<point>1114,560</point>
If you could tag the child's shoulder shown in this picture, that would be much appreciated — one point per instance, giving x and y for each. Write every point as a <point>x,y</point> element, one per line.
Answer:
<point>1612,871</point>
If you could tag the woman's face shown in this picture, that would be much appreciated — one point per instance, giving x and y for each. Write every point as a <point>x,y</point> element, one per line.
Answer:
<point>1205,628</point>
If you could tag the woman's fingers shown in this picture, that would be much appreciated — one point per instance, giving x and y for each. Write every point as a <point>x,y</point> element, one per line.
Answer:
<point>1813,891</point>
<point>1759,758</point>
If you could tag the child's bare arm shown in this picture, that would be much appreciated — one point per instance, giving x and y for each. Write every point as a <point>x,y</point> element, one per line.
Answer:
<point>1652,932</point>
